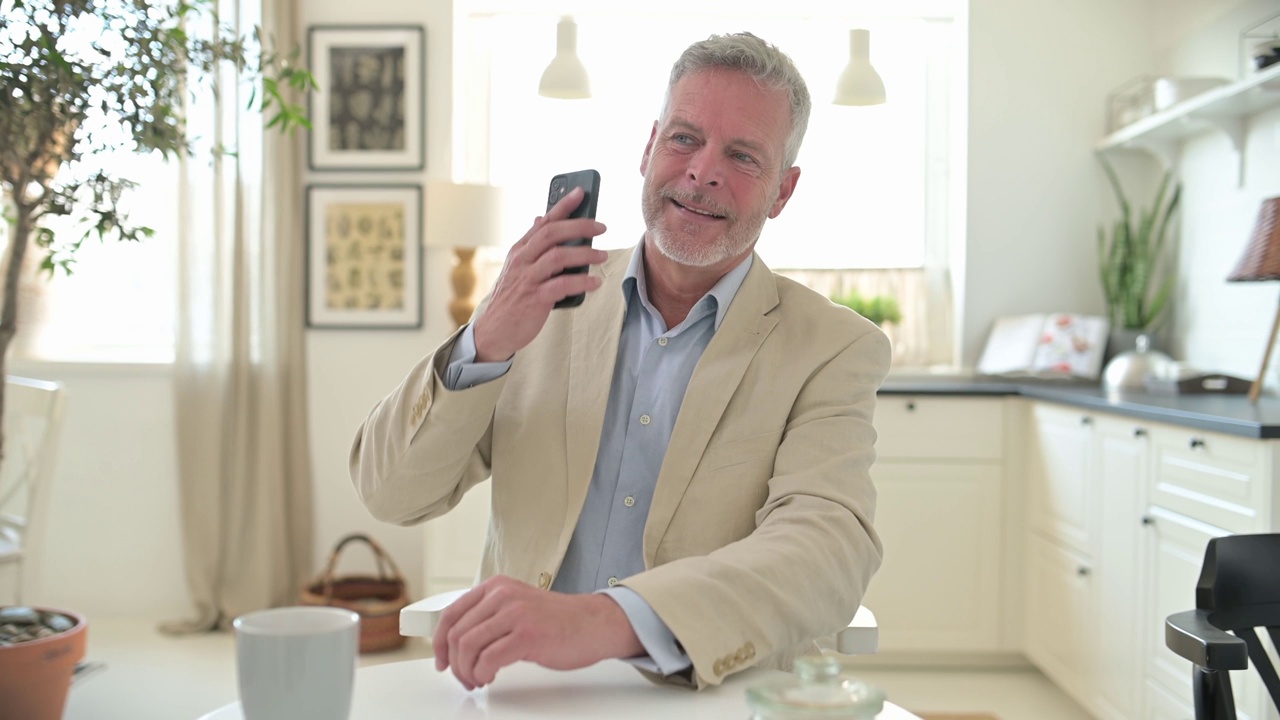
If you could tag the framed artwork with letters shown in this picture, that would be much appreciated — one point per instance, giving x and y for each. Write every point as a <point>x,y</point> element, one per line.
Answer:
<point>364,256</point>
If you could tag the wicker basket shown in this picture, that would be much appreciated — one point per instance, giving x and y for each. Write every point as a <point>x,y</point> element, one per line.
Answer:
<point>377,600</point>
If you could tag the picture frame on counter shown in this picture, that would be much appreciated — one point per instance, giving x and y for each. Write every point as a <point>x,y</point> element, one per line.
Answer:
<point>364,256</point>
<point>368,111</point>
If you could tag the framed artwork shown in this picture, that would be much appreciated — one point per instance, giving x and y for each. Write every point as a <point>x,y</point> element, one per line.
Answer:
<point>368,113</point>
<point>364,256</point>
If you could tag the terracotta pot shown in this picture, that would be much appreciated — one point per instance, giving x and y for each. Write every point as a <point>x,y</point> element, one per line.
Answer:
<point>35,675</point>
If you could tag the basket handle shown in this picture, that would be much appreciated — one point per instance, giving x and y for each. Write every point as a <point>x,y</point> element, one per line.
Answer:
<point>384,562</point>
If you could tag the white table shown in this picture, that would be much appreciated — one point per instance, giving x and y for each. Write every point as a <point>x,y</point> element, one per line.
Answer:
<point>413,689</point>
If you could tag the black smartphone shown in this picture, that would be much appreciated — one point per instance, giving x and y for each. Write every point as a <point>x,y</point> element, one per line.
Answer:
<point>589,181</point>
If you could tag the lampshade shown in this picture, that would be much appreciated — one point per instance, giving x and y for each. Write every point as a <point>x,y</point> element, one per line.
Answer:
<point>859,84</point>
<point>566,76</point>
<point>463,215</point>
<point>1261,259</point>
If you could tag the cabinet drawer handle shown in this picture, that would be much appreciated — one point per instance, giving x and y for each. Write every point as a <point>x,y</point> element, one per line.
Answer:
<point>1086,420</point>
<point>1139,432</point>
<point>911,407</point>
<point>1082,571</point>
<point>1197,443</point>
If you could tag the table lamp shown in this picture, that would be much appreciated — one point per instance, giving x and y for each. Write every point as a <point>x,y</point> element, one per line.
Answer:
<point>463,217</point>
<point>1261,261</point>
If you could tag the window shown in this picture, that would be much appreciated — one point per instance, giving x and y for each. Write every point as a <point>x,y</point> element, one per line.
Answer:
<point>118,305</point>
<point>871,207</point>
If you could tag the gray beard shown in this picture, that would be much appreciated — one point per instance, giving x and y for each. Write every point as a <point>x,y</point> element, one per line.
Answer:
<point>678,246</point>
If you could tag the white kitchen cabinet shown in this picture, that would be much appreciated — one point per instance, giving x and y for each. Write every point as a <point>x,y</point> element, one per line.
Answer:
<point>939,478</point>
<point>1086,475</point>
<point>940,525</point>
<point>1132,504</point>
<point>1059,604</point>
<point>1203,485</point>
<point>1060,492</point>
<point>1122,452</point>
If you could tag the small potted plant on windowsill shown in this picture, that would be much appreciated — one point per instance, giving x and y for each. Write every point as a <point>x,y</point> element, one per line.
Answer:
<point>879,309</point>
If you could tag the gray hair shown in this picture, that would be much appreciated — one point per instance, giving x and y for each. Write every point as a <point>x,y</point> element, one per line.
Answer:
<point>768,65</point>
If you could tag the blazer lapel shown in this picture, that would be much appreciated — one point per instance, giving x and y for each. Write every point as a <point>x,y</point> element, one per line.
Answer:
<point>597,326</point>
<point>714,382</point>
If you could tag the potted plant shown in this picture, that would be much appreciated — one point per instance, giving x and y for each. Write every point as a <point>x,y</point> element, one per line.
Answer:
<point>879,309</point>
<point>1135,263</point>
<point>39,649</point>
<point>66,66</point>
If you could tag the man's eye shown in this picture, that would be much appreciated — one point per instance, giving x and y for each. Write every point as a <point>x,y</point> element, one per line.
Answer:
<point>743,157</point>
<point>682,139</point>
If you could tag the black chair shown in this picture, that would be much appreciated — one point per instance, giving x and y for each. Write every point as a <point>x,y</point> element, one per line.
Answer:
<point>1238,591</point>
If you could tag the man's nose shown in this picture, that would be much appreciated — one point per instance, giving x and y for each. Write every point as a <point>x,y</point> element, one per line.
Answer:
<point>705,168</point>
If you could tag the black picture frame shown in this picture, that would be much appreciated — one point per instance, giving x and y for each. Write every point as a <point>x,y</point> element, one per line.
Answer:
<point>364,259</point>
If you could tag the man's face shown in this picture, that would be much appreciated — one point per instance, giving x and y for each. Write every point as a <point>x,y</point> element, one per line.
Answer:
<point>713,167</point>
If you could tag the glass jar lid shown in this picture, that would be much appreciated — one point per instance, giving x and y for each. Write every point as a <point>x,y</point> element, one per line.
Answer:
<point>819,689</point>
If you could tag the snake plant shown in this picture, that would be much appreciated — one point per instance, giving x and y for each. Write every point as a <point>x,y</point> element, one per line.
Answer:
<point>1136,265</point>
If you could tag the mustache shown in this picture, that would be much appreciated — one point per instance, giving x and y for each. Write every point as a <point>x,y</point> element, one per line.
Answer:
<point>689,197</point>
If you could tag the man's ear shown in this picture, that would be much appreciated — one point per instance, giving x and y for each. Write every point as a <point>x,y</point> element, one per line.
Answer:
<point>788,185</point>
<point>648,148</point>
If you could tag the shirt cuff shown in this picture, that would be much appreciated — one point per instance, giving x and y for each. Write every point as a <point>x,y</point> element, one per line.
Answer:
<point>463,371</point>
<point>666,657</point>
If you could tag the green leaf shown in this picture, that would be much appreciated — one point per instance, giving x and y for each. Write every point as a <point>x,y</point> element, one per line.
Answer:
<point>1135,267</point>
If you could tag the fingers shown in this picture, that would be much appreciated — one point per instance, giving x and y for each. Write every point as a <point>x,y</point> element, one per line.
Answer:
<point>449,618</point>
<point>567,204</point>
<point>560,211</point>
<point>505,651</point>
<point>559,288</point>
<point>470,643</point>
<point>562,257</point>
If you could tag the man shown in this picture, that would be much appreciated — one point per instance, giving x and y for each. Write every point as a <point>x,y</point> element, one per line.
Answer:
<point>693,442</point>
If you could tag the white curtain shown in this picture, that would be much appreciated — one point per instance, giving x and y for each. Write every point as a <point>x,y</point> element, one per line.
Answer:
<point>240,374</point>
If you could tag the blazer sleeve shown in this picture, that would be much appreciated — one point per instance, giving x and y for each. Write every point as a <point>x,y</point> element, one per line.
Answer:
<point>802,572</point>
<point>423,446</point>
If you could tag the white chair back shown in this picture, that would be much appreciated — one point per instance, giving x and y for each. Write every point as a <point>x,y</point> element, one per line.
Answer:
<point>33,418</point>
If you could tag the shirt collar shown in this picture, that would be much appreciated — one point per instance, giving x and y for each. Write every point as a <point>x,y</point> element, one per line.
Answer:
<point>721,294</point>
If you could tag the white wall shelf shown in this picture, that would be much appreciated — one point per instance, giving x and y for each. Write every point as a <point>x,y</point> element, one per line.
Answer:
<point>1226,108</point>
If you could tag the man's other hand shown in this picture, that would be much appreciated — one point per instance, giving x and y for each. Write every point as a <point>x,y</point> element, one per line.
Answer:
<point>502,621</point>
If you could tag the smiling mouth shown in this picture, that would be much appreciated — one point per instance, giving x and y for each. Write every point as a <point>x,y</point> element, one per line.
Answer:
<point>704,213</point>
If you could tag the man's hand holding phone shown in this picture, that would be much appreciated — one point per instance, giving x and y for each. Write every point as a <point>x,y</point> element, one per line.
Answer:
<point>533,279</point>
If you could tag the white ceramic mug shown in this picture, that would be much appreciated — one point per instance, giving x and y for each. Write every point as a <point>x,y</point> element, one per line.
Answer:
<point>297,662</point>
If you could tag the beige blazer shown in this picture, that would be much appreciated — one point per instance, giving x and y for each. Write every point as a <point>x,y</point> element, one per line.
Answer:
<point>759,538</point>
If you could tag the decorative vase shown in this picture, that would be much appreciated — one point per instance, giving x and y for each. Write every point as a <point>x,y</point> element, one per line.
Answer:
<point>1129,369</point>
<point>36,674</point>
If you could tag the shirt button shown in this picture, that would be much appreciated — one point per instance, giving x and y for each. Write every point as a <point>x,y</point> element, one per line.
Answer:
<point>544,581</point>
<point>662,342</point>
<point>644,419</point>
<point>613,581</point>
<point>629,501</point>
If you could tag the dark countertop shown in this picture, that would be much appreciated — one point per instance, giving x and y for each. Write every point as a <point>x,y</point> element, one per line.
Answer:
<point>1230,414</point>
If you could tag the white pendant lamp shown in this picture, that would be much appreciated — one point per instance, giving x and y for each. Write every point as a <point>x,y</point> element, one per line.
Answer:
<point>566,76</point>
<point>859,84</point>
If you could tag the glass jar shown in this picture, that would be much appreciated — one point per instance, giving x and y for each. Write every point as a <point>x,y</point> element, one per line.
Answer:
<point>819,690</point>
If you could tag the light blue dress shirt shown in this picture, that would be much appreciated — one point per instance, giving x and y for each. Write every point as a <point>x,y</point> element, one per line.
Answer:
<point>649,381</point>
